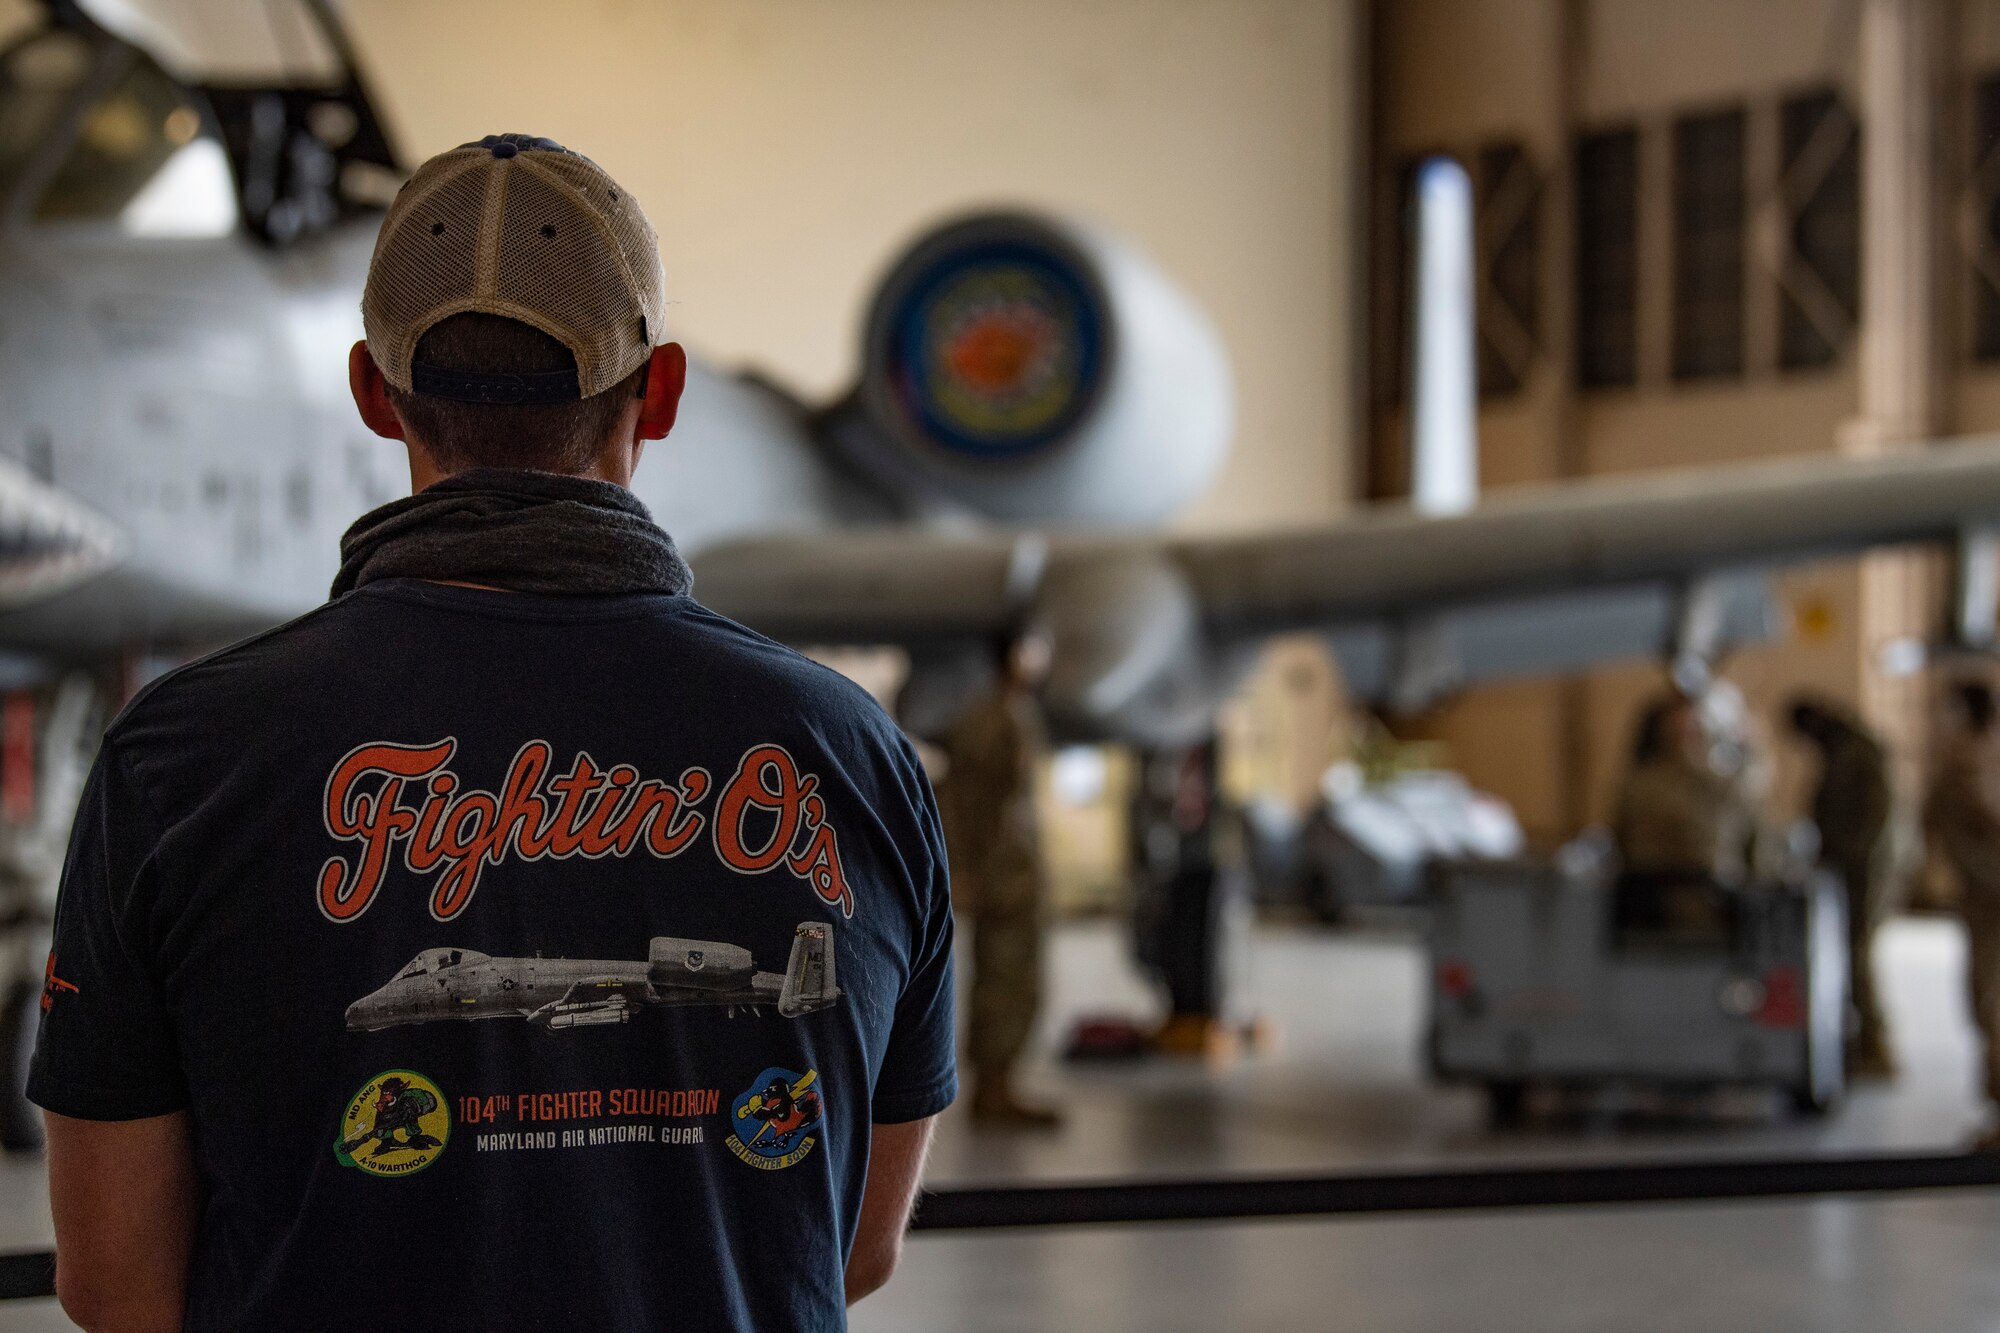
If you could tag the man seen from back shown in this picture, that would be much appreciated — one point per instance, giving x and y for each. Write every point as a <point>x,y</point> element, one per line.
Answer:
<point>512,942</point>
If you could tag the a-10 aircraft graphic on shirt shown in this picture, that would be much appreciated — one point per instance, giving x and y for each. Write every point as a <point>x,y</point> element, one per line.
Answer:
<point>556,993</point>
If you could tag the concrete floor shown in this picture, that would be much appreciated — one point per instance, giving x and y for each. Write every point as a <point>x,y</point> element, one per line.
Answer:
<point>1343,1090</point>
<point>1832,1266</point>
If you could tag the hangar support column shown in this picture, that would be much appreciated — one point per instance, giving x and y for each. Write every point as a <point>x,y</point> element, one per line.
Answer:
<point>1576,739</point>
<point>1901,366</point>
<point>1901,87</point>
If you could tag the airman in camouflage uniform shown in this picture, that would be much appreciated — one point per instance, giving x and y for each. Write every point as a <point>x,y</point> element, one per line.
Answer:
<point>1684,830</point>
<point>1962,816</point>
<point>990,827</point>
<point>1851,808</point>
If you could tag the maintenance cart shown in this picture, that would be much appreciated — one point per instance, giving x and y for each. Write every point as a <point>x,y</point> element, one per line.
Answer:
<point>1538,977</point>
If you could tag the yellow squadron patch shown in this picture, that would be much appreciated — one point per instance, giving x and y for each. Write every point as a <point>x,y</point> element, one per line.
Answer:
<point>397,1125</point>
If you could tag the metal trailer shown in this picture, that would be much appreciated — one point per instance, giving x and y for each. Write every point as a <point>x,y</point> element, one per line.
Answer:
<point>1533,982</point>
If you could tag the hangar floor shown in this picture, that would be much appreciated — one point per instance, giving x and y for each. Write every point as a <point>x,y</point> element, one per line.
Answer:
<point>1343,1090</point>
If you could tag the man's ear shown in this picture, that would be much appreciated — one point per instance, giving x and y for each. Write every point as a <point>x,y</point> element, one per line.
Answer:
<point>666,377</point>
<point>371,394</point>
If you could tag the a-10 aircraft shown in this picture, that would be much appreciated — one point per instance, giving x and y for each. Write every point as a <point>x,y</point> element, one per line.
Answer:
<point>181,257</point>
<point>558,993</point>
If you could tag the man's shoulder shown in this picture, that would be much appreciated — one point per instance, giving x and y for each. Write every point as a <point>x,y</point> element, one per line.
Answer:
<point>1857,748</point>
<point>269,674</point>
<point>1672,781</point>
<point>772,672</point>
<point>988,717</point>
<point>228,678</point>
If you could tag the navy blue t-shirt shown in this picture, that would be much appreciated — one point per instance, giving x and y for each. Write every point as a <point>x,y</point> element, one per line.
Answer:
<point>522,962</point>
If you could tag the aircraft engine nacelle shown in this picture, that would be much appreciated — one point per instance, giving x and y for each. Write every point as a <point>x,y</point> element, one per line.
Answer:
<point>1131,657</point>
<point>1034,370</point>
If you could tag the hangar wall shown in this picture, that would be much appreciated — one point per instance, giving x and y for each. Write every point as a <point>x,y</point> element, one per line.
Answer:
<point>786,148</point>
<point>1525,91</point>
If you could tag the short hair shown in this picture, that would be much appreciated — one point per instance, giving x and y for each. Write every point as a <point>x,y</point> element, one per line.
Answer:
<point>1975,700</point>
<point>1811,715</point>
<point>1649,738</point>
<point>1000,652</point>
<point>539,437</point>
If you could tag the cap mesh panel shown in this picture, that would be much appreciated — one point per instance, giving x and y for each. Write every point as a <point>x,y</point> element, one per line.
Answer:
<point>555,259</point>
<point>588,283</point>
<point>638,244</point>
<point>420,274</point>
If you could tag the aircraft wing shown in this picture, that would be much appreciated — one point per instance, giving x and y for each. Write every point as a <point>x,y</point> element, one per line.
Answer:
<point>1590,534</point>
<point>896,585</point>
<point>1535,579</point>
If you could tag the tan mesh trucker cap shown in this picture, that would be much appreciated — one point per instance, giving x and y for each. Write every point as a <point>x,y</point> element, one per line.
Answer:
<point>517,226</point>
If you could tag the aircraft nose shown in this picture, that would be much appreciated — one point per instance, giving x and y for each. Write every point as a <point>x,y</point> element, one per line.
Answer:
<point>361,1015</point>
<point>47,527</point>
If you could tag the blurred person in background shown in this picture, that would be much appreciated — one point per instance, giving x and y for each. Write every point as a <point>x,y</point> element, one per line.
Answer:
<point>1684,830</point>
<point>994,838</point>
<point>1196,899</point>
<point>1740,750</point>
<point>1851,807</point>
<point>1962,817</point>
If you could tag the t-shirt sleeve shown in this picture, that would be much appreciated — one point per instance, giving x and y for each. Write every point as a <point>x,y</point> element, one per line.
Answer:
<point>919,1075</point>
<point>106,1049</point>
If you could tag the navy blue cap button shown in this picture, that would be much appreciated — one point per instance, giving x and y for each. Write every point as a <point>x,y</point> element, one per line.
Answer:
<point>509,145</point>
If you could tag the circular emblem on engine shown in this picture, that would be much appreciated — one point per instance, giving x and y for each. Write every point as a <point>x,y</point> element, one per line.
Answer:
<point>998,349</point>
<point>397,1125</point>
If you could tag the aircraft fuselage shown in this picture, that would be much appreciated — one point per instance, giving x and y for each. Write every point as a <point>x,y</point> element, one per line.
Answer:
<point>553,993</point>
<point>565,992</point>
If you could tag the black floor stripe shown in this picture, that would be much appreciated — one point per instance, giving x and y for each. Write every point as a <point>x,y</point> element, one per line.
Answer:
<point>27,1274</point>
<point>32,1273</point>
<point>1222,1198</point>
